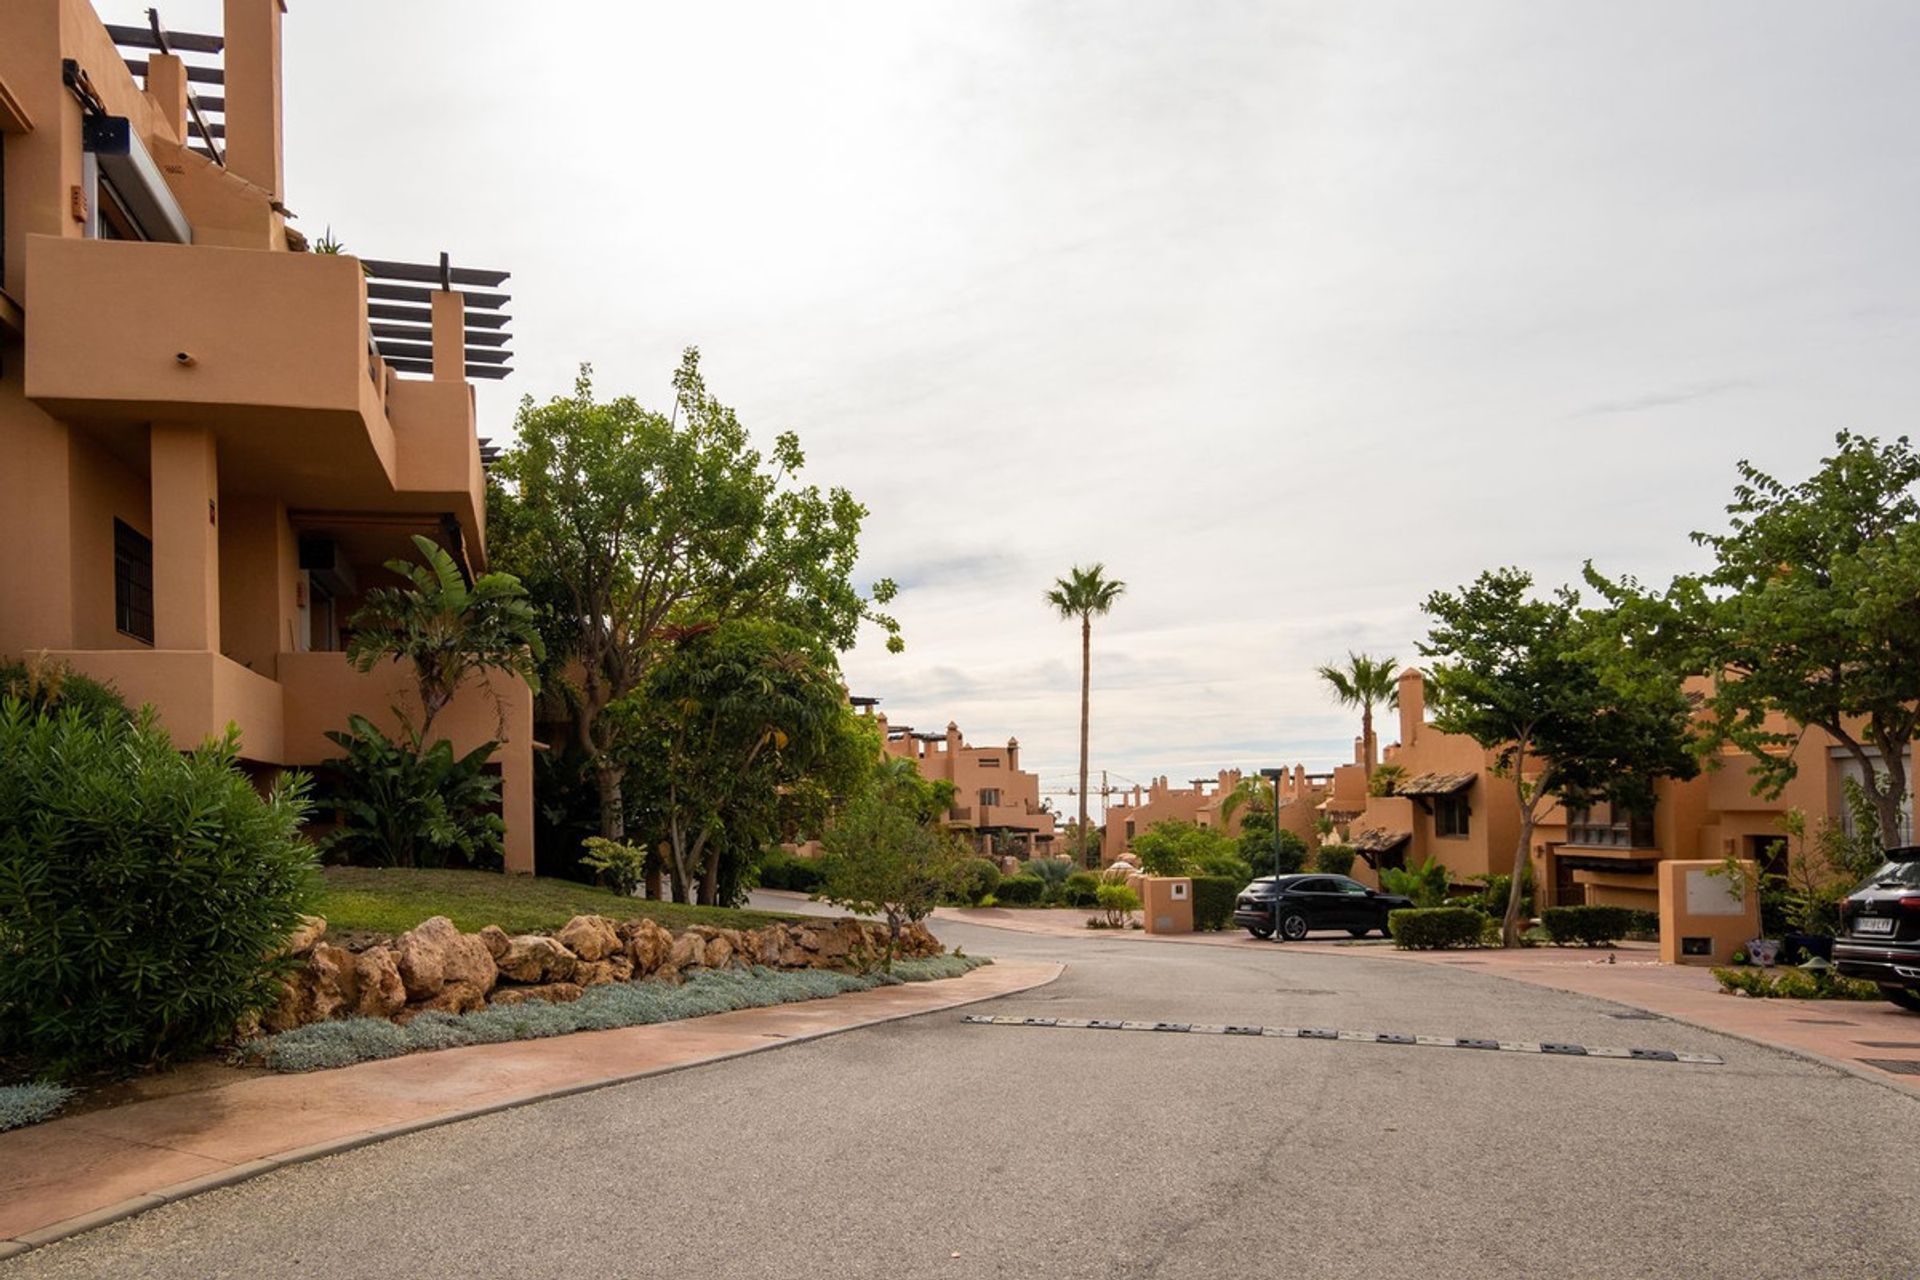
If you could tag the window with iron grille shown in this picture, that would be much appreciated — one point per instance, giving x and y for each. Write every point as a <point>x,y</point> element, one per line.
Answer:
<point>132,582</point>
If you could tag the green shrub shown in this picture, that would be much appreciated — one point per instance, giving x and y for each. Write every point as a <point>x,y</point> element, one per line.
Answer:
<point>978,878</point>
<point>1334,860</point>
<point>1794,984</point>
<point>780,869</point>
<point>141,890</point>
<point>1224,866</point>
<point>1053,871</point>
<point>1425,884</point>
<point>1174,848</point>
<point>1492,897</point>
<point>618,867</point>
<point>48,685</point>
<point>1021,890</point>
<point>1257,850</point>
<point>404,808</point>
<point>1213,899</point>
<point>1588,926</point>
<point>24,1104</point>
<point>1119,902</point>
<point>1081,889</point>
<point>1643,926</point>
<point>1435,928</point>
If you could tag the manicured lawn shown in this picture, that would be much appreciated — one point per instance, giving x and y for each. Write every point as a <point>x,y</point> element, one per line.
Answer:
<point>393,901</point>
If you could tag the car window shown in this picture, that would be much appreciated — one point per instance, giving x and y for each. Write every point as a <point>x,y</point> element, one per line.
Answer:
<point>1311,886</point>
<point>1350,886</point>
<point>1905,875</point>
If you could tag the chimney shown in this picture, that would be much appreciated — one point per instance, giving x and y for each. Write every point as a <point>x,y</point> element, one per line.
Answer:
<point>1013,754</point>
<point>253,92</point>
<point>167,86</point>
<point>1413,704</point>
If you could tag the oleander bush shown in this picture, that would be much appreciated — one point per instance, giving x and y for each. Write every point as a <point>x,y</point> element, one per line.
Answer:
<point>602,1008</point>
<point>1081,889</point>
<point>142,890</point>
<point>24,1104</point>
<point>48,685</point>
<point>1435,928</point>
<point>1213,899</point>
<point>1586,926</point>
<point>1021,891</point>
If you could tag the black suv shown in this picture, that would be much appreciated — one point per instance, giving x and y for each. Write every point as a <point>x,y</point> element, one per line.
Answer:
<point>1307,902</point>
<point>1880,929</point>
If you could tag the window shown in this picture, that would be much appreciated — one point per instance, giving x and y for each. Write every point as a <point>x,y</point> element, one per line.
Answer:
<point>132,582</point>
<point>1451,815</point>
<point>1352,888</point>
<point>1311,886</point>
<point>1607,827</point>
<point>989,795</point>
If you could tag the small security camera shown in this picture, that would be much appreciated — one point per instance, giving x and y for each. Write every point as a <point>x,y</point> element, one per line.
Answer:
<point>184,359</point>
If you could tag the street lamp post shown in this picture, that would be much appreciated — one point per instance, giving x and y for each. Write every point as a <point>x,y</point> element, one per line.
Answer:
<point>1273,776</point>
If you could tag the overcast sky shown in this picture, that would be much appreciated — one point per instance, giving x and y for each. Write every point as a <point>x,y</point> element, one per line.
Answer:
<point>1287,312</point>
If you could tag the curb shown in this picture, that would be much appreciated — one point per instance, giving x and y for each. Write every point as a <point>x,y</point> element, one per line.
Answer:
<point>132,1206</point>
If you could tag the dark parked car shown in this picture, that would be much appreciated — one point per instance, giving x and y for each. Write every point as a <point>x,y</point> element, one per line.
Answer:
<point>1308,902</point>
<point>1879,936</point>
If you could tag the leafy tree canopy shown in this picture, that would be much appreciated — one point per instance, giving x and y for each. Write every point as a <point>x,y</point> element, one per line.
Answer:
<point>889,854</point>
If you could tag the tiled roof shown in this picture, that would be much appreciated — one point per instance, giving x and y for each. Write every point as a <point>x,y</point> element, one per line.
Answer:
<point>1433,784</point>
<point>1375,840</point>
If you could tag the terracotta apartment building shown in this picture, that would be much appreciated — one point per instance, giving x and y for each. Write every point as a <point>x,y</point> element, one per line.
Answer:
<point>213,439</point>
<point>1302,796</point>
<point>996,802</point>
<point>1449,805</point>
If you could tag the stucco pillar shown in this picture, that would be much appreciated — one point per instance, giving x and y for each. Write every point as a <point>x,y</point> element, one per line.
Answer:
<point>186,538</point>
<point>167,86</point>
<point>449,336</point>
<point>516,806</point>
<point>253,92</point>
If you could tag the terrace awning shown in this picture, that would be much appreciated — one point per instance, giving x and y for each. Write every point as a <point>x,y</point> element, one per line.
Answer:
<point>1434,784</point>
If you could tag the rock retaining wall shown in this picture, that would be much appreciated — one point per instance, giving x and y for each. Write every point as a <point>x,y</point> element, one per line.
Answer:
<point>435,966</point>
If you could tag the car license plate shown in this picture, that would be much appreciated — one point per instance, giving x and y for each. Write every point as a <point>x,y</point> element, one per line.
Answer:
<point>1873,924</point>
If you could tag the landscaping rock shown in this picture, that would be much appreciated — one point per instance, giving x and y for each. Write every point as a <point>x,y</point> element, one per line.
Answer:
<point>594,973</point>
<point>719,952</point>
<point>553,992</point>
<point>689,952</point>
<point>382,992</point>
<point>496,939</point>
<point>323,987</point>
<point>589,937</point>
<point>648,945</point>
<point>302,939</point>
<point>533,957</point>
<point>434,956</point>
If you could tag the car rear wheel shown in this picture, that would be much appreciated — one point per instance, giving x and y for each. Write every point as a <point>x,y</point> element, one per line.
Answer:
<point>1293,926</point>
<point>1358,933</point>
<point>1905,997</point>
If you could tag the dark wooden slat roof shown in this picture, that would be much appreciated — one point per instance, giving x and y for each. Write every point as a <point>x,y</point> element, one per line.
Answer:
<point>421,315</point>
<point>424,333</point>
<point>408,293</point>
<point>429,273</point>
<point>473,370</point>
<point>187,41</point>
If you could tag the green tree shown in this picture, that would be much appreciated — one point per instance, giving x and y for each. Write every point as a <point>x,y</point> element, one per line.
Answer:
<point>634,528</point>
<point>1365,682</point>
<point>889,854</point>
<point>1808,612</point>
<point>1258,843</point>
<point>1085,593</point>
<point>1175,848</point>
<point>727,720</point>
<point>1544,685</point>
<point>448,629</point>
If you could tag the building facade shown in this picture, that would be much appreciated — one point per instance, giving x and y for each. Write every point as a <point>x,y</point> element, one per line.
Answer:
<point>996,802</point>
<point>1203,803</point>
<point>211,442</point>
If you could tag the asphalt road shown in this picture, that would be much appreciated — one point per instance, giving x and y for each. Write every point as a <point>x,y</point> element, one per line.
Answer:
<point>935,1148</point>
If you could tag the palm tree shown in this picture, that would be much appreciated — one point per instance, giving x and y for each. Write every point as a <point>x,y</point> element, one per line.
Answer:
<point>1085,593</point>
<point>1365,683</point>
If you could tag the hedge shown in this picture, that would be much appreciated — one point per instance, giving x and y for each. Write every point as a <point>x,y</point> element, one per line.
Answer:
<point>1435,928</point>
<point>1022,890</point>
<point>783,870</point>
<point>1591,926</point>
<point>1334,860</point>
<point>1213,899</point>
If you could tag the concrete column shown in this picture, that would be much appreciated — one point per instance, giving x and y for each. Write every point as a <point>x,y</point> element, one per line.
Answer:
<point>167,86</point>
<point>449,336</point>
<point>186,538</point>
<point>254,149</point>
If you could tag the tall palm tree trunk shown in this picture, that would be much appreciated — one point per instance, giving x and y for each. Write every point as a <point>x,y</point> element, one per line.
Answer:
<point>1086,697</point>
<point>1366,740</point>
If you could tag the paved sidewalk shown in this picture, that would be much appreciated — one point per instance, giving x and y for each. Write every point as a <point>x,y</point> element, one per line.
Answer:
<point>1852,1035</point>
<point>70,1175</point>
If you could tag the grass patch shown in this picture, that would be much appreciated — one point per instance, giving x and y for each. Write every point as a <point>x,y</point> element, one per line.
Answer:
<point>602,1008</point>
<point>24,1104</point>
<point>391,900</point>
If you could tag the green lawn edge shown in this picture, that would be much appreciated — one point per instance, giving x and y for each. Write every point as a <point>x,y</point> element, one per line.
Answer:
<point>392,900</point>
